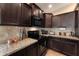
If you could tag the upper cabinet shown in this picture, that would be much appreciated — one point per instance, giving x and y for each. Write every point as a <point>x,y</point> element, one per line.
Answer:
<point>48,17</point>
<point>25,15</point>
<point>15,14</point>
<point>77,21</point>
<point>9,13</point>
<point>64,20</point>
<point>37,16</point>
<point>56,22</point>
<point>68,20</point>
<point>36,10</point>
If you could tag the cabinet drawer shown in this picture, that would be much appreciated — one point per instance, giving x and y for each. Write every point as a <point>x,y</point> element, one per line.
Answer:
<point>58,45</point>
<point>70,48</point>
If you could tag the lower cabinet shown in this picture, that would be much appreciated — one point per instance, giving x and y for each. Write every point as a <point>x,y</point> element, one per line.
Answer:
<point>66,46</point>
<point>49,43</point>
<point>70,48</point>
<point>57,45</point>
<point>37,49</point>
<point>28,51</point>
<point>32,50</point>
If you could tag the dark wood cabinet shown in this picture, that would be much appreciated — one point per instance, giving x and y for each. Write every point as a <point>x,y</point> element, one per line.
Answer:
<point>31,50</point>
<point>25,15</point>
<point>36,10</point>
<point>66,46</point>
<point>37,16</point>
<point>56,22</point>
<point>47,21</point>
<point>15,14</point>
<point>65,20</point>
<point>68,20</point>
<point>20,14</point>
<point>10,13</point>
<point>49,43</point>
<point>55,44</point>
<point>70,48</point>
<point>77,23</point>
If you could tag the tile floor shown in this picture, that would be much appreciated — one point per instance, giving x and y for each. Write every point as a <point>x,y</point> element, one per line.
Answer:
<point>53,53</point>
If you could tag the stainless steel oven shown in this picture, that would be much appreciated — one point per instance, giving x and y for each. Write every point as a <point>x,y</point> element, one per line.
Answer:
<point>42,46</point>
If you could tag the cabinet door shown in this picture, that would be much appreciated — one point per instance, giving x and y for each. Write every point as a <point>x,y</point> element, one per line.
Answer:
<point>48,20</point>
<point>56,21</point>
<point>49,42</point>
<point>77,23</point>
<point>70,48</point>
<point>35,10</point>
<point>10,13</point>
<point>25,15</point>
<point>68,20</point>
<point>57,44</point>
<point>40,13</point>
<point>28,51</point>
<point>32,50</point>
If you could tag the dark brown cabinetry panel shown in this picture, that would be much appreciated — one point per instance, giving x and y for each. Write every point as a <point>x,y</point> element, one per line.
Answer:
<point>66,46</point>
<point>70,48</point>
<point>48,20</point>
<point>32,50</point>
<point>36,11</point>
<point>77,23</point>
<point>49,43</point>
<point>56,21</point>
<point>68,20</point>
<point>37,16</point>
<point>10,13</point>
<point>57,45</point>
<point>15,14</point>
<point>64,20</point>
<point>25,15</point>
<point>28,51</point>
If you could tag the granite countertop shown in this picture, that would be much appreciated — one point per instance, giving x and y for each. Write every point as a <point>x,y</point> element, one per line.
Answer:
<point>7,49</point>
<point>61,36</point>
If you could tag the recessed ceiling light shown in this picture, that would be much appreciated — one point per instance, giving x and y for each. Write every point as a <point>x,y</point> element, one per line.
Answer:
<point>50,6</point>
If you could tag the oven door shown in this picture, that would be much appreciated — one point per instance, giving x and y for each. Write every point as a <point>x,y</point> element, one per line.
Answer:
<point>42,47</point>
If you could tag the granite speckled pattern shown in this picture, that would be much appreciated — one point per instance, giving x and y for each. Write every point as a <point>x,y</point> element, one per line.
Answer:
<point>7,49</point>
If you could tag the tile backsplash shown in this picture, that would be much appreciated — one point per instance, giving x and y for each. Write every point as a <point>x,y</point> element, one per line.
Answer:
<point>56,30</point>
<point>7,32</point>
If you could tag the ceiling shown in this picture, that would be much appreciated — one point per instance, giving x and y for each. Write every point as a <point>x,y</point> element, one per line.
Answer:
<point>57,8</point>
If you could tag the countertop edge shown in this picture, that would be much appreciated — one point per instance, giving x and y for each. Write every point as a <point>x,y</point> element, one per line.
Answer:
<point>64,37</point>
<point>19,48</point>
